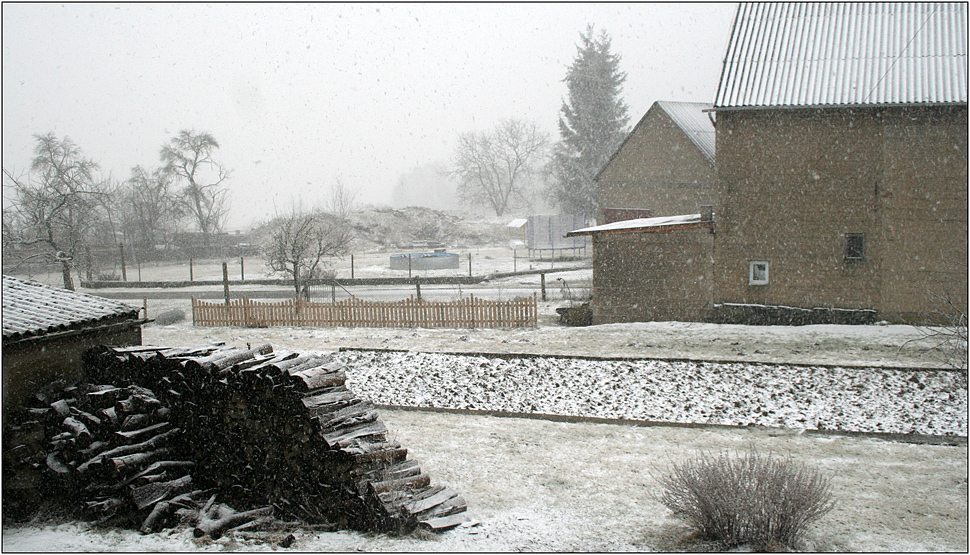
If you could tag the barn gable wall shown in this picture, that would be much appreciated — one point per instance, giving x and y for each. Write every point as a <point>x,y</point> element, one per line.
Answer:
<point>798,181</point>
<point>658,168</point>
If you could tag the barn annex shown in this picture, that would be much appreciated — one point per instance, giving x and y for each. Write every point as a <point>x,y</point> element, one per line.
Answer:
<point>841,158</point>
<point>46,330</point>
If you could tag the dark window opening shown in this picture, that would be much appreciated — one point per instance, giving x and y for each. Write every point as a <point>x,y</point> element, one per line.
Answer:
<point>855,246</point>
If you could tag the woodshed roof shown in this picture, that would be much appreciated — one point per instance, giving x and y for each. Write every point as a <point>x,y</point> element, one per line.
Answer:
<point>845,54</point>
<point>645,225</point>
<point>33,309</point>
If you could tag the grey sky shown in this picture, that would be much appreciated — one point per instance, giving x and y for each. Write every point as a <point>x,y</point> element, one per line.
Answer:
<point>298,94</point>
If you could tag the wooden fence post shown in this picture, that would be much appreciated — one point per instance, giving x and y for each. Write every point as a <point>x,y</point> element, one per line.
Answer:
<point>542,281</point>
<point>242,269</point>
<point>191,275</point>
<point>225,280</point>
<point>124,274</point>
<point>351,266</point>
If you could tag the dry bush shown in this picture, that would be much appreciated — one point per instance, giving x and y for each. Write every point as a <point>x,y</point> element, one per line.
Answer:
<point>747,499</point>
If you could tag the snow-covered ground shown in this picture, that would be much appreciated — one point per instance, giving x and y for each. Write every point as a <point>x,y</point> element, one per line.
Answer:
<point>536,485</point>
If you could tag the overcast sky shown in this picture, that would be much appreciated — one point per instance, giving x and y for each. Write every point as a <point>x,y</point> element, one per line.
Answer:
<point>298,94</point>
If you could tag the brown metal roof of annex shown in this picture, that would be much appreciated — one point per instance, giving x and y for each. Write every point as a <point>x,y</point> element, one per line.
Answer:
<point>32,309</point>
<point>845,54</point>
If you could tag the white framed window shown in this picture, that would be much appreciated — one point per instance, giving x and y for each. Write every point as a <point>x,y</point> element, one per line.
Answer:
<point>855,247</point>
<point>758,272</point>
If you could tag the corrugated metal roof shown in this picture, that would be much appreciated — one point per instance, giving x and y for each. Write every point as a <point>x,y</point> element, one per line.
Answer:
<point>694,122</point>
<point>31,308</point>
<point>838,54</point>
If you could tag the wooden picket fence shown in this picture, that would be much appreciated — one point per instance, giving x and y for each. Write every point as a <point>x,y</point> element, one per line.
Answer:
<point>353,312</point>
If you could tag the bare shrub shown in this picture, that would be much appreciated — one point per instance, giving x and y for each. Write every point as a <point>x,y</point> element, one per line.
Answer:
<point>948,340</point>
<point>747,499</point>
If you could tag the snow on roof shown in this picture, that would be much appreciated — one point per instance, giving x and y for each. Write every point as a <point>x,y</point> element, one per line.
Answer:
<point>31,308</point>
<point>518,222</point>
<point>695,122</point>
<point>845,54</point>
<point>643,224</point>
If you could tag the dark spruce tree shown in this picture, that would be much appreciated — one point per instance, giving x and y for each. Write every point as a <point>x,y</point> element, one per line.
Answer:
<point>592,124</point>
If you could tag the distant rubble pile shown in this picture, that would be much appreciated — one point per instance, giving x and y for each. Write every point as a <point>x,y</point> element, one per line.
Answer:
<point>398,228</point>
<point>169,431</point>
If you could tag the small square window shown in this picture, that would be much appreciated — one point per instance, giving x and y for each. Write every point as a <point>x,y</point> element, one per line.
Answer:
<point>757,272</point>
<point>855,246</point>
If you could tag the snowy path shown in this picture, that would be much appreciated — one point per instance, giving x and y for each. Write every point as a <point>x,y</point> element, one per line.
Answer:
<point>880,400</point>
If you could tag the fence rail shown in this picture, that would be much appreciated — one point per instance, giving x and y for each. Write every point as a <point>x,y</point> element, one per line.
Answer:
<point>353,312</point>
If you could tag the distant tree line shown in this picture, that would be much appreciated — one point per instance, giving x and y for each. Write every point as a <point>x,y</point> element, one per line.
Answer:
<point>62,206</point>
<point>507,167</point>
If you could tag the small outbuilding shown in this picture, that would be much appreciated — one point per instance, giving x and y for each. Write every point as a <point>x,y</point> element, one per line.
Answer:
<point>652,269</point>
<point>46,330</point>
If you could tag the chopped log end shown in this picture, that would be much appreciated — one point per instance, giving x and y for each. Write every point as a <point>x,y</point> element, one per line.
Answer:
<point>440,524</point>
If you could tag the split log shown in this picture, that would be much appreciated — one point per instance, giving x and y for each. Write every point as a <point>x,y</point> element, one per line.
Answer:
<point>345,436</point>
<point>80,432</point>
<point>106,398</point>
<point>177,466</point>
<point>122,450</point>
<point>295,360</point>
<point>225,361</point>
<point>126,463</point>
<point>162,513</point>
<point>62,408</point>
<point>438,524</point>
<point>150,494</point>
<point>421,502</point>
<point>134,436</point>
<point>412,483</point>
<point>220,518</point>
<point>55,463</point>
<point>317,378</point>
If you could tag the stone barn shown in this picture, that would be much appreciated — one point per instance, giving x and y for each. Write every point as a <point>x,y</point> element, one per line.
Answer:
<point>842,148</point>
<point>841,176</point>
<point>46,330</point>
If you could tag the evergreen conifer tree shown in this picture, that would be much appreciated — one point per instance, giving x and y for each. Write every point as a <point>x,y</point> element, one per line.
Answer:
<point>592,124</point>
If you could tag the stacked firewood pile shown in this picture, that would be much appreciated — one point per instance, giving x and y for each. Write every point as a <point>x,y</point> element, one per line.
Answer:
<point>277,434</point>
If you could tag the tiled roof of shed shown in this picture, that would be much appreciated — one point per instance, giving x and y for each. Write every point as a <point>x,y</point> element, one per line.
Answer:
<point>695,123</point>
<point>845,54</point>
<point>31,308</point>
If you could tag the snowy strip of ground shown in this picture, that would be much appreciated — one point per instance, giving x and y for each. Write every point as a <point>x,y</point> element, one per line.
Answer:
<point>924,402</point>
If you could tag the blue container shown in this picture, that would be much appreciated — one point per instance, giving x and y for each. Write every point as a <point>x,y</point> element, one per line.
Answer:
<point>425,261</point>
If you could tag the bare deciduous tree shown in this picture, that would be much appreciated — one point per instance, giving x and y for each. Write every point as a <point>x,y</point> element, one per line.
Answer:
<point>188,156</point>
<point>59,205</point>
<point>342,199</point>
<point>299,242</point>
<point>152,206</point>
<point>498,169</point>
